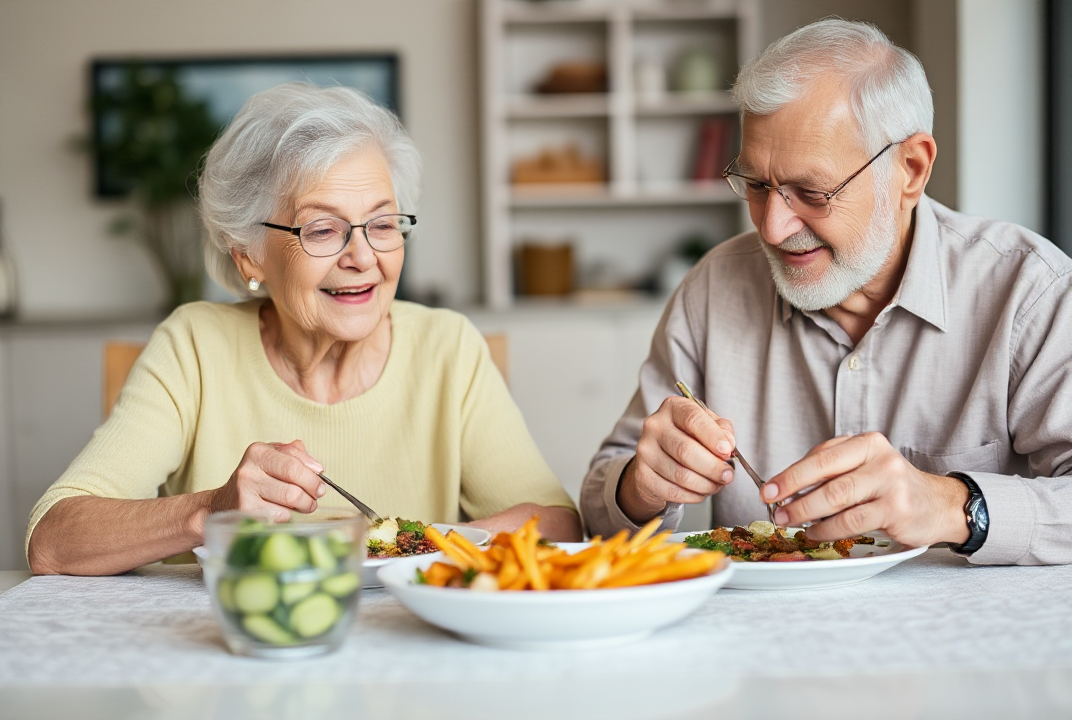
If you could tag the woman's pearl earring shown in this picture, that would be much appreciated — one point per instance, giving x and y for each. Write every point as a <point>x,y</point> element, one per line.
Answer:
<point>254,284</point>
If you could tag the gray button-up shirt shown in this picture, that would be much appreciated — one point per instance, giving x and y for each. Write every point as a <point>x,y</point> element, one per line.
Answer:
<point>968,369</point>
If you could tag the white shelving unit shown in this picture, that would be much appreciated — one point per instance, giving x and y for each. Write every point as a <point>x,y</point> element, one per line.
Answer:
<point>648,203</point>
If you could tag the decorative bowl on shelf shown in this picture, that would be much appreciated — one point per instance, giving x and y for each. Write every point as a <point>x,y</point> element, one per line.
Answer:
<point>284,590</point>
<point>574,77</point>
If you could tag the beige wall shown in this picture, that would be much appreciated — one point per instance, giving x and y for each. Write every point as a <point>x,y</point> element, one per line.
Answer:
<point>69,266</point>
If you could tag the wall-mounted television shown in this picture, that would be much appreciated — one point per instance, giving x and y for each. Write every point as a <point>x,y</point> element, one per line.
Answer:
<point>223,84</point>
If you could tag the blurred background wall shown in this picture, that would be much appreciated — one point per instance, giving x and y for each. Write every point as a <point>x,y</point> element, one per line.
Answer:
<point>69,266</point>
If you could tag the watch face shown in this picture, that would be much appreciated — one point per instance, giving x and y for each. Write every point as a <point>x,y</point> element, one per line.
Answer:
<point>979,518</point>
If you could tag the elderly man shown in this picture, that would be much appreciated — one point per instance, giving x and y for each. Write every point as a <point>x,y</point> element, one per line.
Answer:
<point>907,364</point>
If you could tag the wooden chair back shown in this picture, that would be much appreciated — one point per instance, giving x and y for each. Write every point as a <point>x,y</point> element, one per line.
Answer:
<point>119,358</point>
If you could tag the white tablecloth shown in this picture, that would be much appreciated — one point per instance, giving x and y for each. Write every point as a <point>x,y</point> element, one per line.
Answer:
<point>980,628</point>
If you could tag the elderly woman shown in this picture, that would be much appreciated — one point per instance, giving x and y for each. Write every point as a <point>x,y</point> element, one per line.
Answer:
<point>307,198</point>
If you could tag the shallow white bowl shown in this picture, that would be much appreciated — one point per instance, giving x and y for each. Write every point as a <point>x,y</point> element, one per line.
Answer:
<point>371,568</point>
<point>864,562</point>
<point>558,620</point>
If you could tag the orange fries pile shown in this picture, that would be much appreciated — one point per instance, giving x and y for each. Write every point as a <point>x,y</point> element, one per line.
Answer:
<point>518,561</point>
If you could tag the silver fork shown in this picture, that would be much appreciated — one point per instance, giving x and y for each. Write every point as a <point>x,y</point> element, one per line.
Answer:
<point>369,512</point>
<point>687,392</point>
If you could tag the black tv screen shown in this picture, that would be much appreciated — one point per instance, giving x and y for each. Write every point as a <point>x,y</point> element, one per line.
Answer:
<point>219,86</point>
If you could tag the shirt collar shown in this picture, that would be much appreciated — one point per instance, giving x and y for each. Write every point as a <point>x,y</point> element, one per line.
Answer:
<point>923,289</point>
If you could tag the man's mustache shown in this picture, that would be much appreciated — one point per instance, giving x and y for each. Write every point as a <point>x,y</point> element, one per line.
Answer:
<point>802,241</point>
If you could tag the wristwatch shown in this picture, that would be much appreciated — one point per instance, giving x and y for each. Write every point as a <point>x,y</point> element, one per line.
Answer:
<point>977,516</point>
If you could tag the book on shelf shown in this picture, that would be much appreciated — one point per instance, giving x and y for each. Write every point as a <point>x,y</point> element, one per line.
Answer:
<point>715,149</point>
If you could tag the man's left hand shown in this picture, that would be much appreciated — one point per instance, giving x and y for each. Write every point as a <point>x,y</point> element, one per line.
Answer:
<point>864,484</point>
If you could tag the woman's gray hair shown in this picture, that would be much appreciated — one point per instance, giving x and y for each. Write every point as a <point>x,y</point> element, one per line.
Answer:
<point>282,141</point>
<point>888,88</point>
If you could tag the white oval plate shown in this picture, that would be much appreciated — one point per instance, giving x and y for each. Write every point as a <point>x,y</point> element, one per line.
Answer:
<point>864,562</point>
<point>370,579</point>
<point>558,620</point>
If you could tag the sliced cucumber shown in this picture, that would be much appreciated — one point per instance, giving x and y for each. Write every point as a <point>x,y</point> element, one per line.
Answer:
<point>340,585</point>
<point>225,593</point>
<point>245,550</point>
<point>340,543</point>
<point>281,616</point>
<point>321,554</point>
<point>314,615</point>
<point>266,630</point>
<point>256,593</point>
<point>295,591</point>
<point>282,552</point>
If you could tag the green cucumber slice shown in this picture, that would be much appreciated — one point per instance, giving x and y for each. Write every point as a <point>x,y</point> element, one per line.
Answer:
<point>340,543</point>
<point>263,628</point>
<point>340,585</point>
<point>225,594</point>
<point>256,593</point>
<point>314,615</point>
<point>282,552</point>
<point>295,591</point>
<point>245,550</point>
<point>321,554</point>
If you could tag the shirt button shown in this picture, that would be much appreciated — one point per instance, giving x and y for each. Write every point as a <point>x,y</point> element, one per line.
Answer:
<point>854,362</point>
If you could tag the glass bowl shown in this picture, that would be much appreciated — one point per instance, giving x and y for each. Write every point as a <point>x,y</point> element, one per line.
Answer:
<point>284,590</point>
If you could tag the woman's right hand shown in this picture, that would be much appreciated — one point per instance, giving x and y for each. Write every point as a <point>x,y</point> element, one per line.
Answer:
<point>275,478</point>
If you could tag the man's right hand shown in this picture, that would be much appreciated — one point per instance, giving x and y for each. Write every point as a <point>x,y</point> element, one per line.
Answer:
<point>275,478</point>
<point>682,457</point>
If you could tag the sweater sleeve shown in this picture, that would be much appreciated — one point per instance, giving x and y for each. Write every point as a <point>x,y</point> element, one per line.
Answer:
<point>500,463</point>
<point>149,431</point>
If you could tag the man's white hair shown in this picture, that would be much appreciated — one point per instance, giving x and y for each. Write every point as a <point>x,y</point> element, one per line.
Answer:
<point>888,89</point>
<point>282,141</point>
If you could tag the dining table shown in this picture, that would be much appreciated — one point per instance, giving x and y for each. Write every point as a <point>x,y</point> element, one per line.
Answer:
<point>933,637</point>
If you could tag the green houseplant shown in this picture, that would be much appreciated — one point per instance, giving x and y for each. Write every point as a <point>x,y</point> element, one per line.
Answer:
<point>150,143</point>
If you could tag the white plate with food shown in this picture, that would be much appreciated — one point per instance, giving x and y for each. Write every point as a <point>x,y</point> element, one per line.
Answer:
<point>380,537</point>
<point>824,567</point>
<point>553,619</point>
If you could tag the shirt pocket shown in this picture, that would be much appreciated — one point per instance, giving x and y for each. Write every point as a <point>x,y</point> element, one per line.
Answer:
<point>978,459</point>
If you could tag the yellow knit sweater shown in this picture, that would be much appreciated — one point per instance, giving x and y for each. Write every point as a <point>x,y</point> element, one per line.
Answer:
<point>436,436</point>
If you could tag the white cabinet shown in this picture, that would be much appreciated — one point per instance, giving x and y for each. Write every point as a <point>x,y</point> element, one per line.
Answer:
<point>572,372</point>
<point>625,227</point>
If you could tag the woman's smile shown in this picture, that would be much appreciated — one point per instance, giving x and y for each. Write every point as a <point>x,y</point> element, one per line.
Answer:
<point>351,295</point>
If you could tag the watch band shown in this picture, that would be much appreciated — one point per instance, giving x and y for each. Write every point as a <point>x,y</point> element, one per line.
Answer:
<point>975,513</point>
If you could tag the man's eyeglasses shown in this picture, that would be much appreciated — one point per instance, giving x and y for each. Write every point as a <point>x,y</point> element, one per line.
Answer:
<point>328,236</point>
<point>802,201</point>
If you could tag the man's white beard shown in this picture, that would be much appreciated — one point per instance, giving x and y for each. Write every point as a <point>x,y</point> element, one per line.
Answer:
<point>849,270</point>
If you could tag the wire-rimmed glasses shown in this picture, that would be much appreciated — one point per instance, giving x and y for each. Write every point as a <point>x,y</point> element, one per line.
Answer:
<point>802,201</point>
<point>328,236</point>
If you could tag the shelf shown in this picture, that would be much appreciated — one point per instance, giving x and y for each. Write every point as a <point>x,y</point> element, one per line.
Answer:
<point>592,195</point>
<point>562,12</point>
<point>527,14</point>
<point>685,11</point>
<point>685,104</point>
<point>558,106</point>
